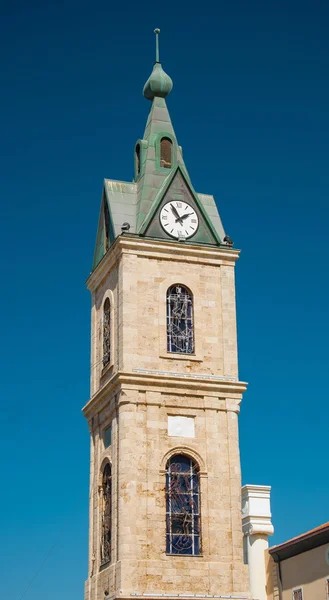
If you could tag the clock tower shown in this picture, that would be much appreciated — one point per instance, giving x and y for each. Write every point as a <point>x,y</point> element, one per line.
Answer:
<point>165,482</point>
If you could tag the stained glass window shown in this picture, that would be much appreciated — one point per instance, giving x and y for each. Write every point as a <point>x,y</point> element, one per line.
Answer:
<point>106,333</point>
<point>107,514</point>
<point>165,153</point>
<point>182,506</point>
<point>180,334</point>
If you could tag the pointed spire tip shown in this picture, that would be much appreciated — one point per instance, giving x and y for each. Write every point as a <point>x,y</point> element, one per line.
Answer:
<point>157,54</point>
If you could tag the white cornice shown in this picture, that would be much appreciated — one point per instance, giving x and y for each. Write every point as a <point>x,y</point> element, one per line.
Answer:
<point>252,527</point>
<point>256,491</point>
<point>185,252</point>
<point>256,510</point>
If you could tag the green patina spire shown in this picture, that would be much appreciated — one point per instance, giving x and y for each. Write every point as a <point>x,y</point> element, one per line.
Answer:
<point>160,175</point>
<point>159,84</point>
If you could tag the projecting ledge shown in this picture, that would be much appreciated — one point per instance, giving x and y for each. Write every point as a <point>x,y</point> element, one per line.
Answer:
<point>180,383</point>
<point>155,596</point>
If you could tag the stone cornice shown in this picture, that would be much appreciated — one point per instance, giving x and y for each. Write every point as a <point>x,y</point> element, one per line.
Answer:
<point>156,595</point>
<point>185,252</point>
<point>187,596</point>
<point>181,384</point>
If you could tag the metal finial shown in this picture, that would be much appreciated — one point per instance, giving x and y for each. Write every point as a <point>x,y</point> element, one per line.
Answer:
<point>157,55</point>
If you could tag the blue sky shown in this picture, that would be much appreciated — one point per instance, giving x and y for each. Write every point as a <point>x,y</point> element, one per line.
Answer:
<point>250,108</point>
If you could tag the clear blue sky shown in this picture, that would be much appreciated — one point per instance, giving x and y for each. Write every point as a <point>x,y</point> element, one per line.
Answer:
<point>250,108</point>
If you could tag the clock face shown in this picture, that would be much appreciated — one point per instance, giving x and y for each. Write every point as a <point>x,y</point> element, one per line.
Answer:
<point>179,219</point>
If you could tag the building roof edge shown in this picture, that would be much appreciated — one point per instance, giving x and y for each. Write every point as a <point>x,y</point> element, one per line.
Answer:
<point>301,543</point>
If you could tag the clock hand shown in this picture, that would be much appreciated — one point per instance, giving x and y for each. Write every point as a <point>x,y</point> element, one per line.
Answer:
<point>184,217</point>
<point>178,218</point>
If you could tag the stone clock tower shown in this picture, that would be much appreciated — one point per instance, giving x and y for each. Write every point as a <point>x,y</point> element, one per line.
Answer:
<point>165,483</point>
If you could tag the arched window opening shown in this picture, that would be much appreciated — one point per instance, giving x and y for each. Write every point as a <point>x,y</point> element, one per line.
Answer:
<point>183,529</point>
<point>107,515</point>
<point>180,334</point>
<point>138,159</point>
<point>106,333</point>
<point>165,153</point>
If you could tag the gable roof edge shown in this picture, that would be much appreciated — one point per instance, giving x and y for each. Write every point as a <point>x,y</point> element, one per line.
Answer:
<point>197,200</point>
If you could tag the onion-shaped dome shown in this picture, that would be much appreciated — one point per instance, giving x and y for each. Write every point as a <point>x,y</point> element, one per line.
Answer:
<point>158,84</point>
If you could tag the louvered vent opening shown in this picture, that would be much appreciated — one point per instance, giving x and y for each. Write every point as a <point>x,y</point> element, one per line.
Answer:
<point>165,153</point>
<point>138,160</point>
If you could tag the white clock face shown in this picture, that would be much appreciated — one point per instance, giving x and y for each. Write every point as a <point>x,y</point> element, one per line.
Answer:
<point>179,219</point>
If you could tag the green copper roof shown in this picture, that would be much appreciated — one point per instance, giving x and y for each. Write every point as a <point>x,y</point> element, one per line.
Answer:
<point>156,180</point>
<point>152,175</point>
<point>158,84</point>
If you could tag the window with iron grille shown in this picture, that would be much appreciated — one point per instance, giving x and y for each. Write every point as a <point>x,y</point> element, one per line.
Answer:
<point>106,332</point>
<point>165,153</point>
<point>182,506</point>
<point>180,330</point>
<point>106,491</point>
<point>297,594</point>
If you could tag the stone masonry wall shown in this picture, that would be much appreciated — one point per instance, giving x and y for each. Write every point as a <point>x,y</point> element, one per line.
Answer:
<point>138,413</point>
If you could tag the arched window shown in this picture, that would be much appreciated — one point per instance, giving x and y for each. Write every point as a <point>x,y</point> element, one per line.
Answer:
<point>180,335</point>
<point>165,153</point>
<point>106,333</point>
<point>182,506</point>
<point>138,159</point>
<point>106,514</point>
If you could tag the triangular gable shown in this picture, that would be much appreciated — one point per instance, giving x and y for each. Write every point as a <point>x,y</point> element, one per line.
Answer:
<point>178,187</point>
<point>105,231</point>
